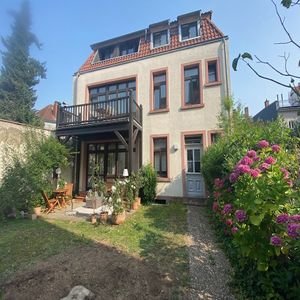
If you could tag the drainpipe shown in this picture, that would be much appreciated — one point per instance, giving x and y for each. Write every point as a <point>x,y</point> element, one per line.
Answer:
<point>225,65</point>
<point>75,80</point>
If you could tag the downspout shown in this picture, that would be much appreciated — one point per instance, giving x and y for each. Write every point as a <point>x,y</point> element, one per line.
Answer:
<point>76,76</point>
<point>225,65</point>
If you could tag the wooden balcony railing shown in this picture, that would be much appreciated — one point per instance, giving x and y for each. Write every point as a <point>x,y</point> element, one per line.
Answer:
<point>98,112</point>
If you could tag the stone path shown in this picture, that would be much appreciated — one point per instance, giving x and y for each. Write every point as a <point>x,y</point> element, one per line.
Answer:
<point>209,268</point>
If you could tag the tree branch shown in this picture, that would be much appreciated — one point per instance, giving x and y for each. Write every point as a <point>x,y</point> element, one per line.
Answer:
<point>287,74</point>
<point>282,23</point>
<point>267,78</point>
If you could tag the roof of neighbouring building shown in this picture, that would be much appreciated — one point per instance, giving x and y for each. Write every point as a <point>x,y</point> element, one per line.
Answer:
<point>269,113</point>
<point>208,32</point>
<point>48,113</point>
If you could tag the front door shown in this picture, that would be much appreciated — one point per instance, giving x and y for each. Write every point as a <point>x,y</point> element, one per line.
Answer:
<point>193,176</point>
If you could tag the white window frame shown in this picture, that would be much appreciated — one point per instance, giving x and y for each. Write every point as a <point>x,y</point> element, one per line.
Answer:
<point>151,38</point>
<point>184,23</point>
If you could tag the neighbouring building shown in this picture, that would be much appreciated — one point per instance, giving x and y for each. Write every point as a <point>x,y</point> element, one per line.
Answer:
<point>288,110</point>
<point>151,96</point>
<point>48,115</point>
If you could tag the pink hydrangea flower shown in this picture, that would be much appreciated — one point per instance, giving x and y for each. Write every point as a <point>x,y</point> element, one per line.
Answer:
<point>263,144</point>
<point>293,230</point>
<point>264,167</point>
<point>251,153</point>
<point>255,173</point>
<point>233,177</point>
<point>285,173</point>
<point>243,169</point>
<point>219,183</point>
<point>240,215</point>
<point>246,160</point>
<point>215,206</point>
<point>282,218</point>
<point>275,240</point>
<point>229,222</point>
<point>276,148</point>
<point>234,230</point>
<point>270,160</point>
<point>295,218</point>
<point>227,209</point>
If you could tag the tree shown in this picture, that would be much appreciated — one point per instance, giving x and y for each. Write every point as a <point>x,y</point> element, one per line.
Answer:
<point>287,79</point>
<point>20,72</point>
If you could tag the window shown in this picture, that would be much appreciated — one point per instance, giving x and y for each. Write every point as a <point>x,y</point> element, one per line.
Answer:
<point>159,91</point>
<point>212,71</point>
<point>214,137</point>
<point>112,91</point>
<point>107,53</point>
<point>129,47</point>
<point>189,31</point>
<point>160,156</point>
<point>160,38</point>
<point>110,158</point>
<point>191,85</point>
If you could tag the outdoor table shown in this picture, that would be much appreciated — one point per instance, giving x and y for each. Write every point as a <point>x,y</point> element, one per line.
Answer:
<point>60,194</point>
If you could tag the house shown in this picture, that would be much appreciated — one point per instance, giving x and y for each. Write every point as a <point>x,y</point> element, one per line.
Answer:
<point>288,110</point>
<point>48,115</point>
<point>151,96</point>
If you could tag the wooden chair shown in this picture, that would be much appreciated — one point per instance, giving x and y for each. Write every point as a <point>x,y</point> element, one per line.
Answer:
<point>69,192</point>
<point>50,203</point>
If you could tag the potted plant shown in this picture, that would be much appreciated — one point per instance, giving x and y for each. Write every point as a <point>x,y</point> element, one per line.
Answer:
<point>36,204</point>
<point>136,184</point>
<point>118,215</point>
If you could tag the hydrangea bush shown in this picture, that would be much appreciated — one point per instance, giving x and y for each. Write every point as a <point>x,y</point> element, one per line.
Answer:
<point>258,205</point>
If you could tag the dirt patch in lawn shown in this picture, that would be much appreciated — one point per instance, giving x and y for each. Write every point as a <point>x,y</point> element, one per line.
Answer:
<point>107,272</point>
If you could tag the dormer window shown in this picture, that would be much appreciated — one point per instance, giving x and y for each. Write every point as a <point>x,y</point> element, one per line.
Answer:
<point>124,48</point>
<point>160,38</point>
<point>189,30</point>
<point>107,53</point>
<point>129,47</point>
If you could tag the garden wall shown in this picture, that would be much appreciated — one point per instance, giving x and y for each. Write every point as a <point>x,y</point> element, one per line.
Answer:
<point>12,140</point>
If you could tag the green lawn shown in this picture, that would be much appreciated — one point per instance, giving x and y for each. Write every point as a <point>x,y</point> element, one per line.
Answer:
<point>155,233</point>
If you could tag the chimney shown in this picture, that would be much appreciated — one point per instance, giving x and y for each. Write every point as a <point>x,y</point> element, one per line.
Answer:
<point>267,103</point>
<point>54,108</point>
<point>246,111</point>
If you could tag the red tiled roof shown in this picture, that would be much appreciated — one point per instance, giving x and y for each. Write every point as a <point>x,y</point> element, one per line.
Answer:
<point>48,113</point>
<point>209,31</point>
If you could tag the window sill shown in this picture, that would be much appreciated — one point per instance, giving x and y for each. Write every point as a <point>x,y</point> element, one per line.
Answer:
<point>192,106</point>
<point>189,39</point>
<point>215,83</point>
<point>163,179</point>
<point>157,111</point>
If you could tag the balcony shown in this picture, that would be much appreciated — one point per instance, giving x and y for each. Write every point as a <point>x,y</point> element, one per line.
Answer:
<point>98,116</point>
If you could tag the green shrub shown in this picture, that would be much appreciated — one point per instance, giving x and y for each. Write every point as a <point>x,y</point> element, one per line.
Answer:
<point>28,173</point>
<point>258,208</point>
<point>149,183</point>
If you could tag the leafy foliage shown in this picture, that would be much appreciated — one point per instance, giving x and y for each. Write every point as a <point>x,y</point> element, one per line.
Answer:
<point>256,185</point>
<point>20,72</point>
<point>149,183</point>
<point>30,171</point>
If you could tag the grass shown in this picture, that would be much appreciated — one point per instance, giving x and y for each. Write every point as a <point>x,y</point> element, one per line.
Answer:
<point>155,233</point>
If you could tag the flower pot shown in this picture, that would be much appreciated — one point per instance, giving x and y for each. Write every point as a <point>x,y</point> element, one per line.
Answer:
<point>33,217</point>
<point>135,205</point>
<point>118,218</point>
<point>94,219</point>
<point>103,217</point>
<point>37,210</point>
<point>138,200</point>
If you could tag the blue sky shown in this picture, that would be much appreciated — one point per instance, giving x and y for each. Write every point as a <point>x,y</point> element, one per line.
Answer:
<point>67,28</point>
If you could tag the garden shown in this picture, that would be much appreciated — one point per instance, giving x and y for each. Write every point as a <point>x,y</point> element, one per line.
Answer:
<point>45,258</point>
<point>253,176</point>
